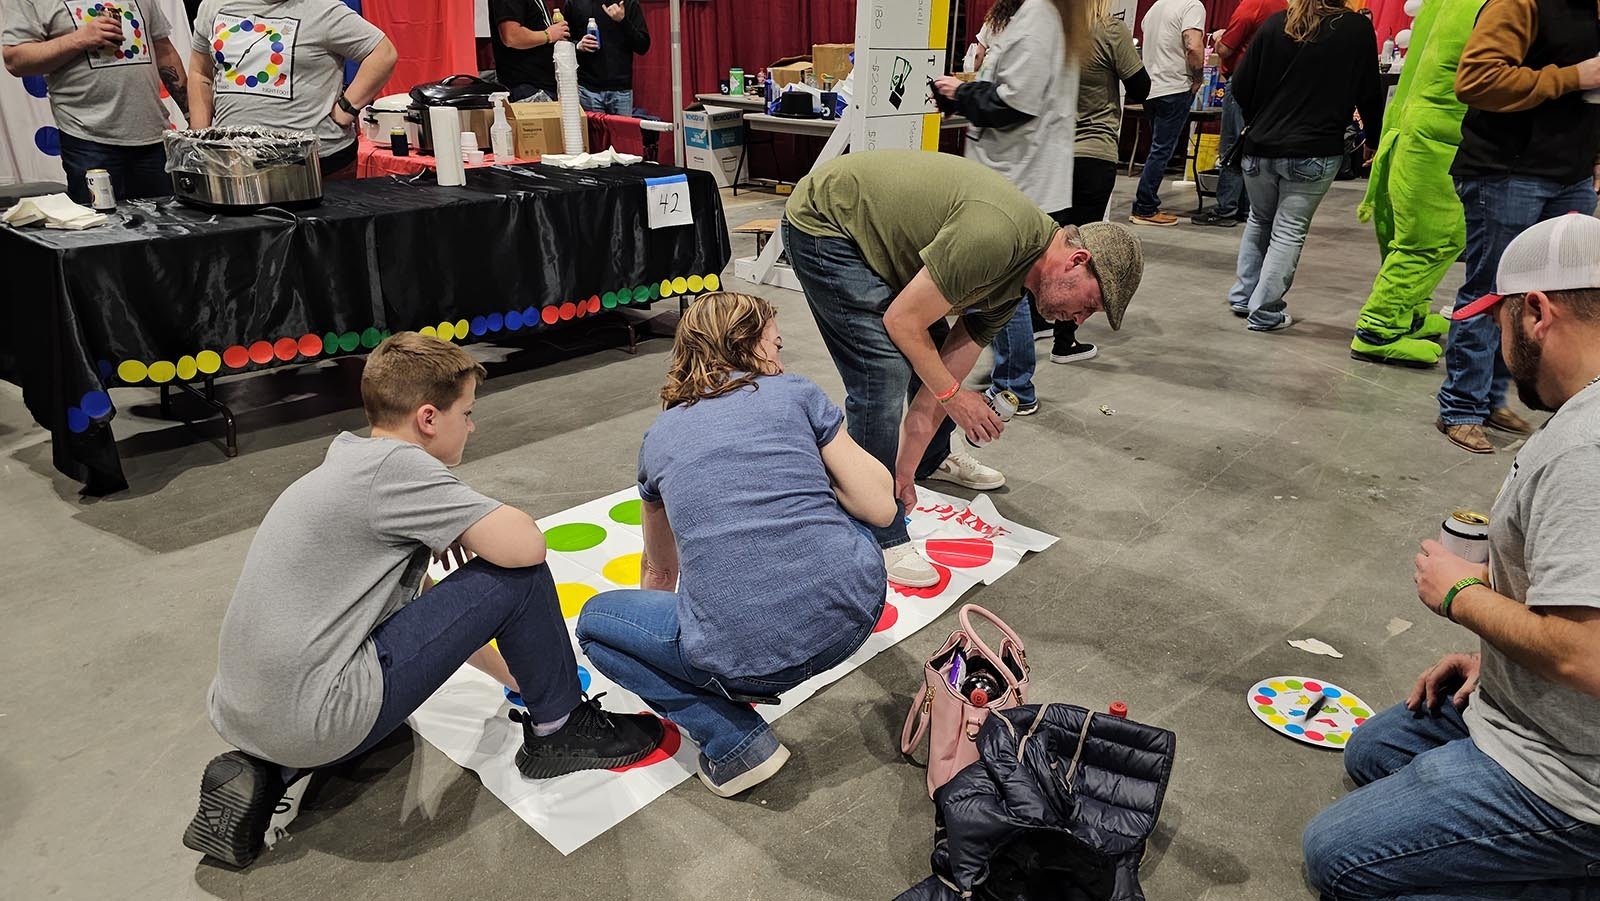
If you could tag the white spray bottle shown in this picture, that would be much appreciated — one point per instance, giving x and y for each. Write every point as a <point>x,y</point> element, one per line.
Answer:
<point>500,132</point>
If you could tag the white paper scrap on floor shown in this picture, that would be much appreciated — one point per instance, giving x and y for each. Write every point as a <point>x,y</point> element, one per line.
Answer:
<point>466,717</point>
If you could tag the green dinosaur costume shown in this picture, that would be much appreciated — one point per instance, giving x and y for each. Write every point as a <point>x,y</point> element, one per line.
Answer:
<point>1411,199</point>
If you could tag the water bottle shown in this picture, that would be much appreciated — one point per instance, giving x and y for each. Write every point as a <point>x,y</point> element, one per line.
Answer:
<point>594,31</point>
<point>1004,404</point>
<point>982,684</point>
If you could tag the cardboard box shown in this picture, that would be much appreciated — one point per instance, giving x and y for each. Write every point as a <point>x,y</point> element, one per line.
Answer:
<point>832,59</point>
<point>536,129</point>
<point>790,73</point>
<point>713,141</point>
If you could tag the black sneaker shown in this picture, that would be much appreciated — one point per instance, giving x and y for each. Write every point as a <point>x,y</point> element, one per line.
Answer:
<point>1076,352</point>
<point>1212,218</point>
<point>237,796</point>
<point>591,739</point>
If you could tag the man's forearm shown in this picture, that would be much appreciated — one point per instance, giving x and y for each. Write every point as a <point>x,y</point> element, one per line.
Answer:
<point>520,37</point>
<point>170,67</point>
<point>41,57</point>
<point>375,69</point>
<point>1555,647</point>
<point>200,100</point>
<point>959,354</point>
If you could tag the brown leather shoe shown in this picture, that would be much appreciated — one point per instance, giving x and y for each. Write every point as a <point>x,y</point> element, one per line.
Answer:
<point>1467,436</point>
<point>1506,420</point>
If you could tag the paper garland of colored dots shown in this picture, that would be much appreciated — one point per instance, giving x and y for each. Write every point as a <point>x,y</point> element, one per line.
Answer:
<point>209,362</point>
<point>1282,703</point>
<point>135,46</point>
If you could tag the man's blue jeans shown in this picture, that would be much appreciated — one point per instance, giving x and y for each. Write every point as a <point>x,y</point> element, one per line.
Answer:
<point>1435,819</point>
<point>1497,210</point>
<point>1232,201</point>
<point>616,103</point>
<point>431,637</point>
<point>848,301</point>
<point>1168,115</point>
<point>1014,356</point>
<point>1284,195</point>
<point>632,635</point>
<point>135,171</point>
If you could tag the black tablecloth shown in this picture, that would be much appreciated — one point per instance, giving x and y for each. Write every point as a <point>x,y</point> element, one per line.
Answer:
<point>168,292</point>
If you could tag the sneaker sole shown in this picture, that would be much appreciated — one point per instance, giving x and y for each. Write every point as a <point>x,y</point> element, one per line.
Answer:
<point>1137,221</point>
<point>1388,361</point>
<point>549,768</point>
<point>750,778</point>
<point>927,582</point>
<point>234,810</point>
<point>1073,358</point>
<point>975,486</point>
<point>1027,411</point>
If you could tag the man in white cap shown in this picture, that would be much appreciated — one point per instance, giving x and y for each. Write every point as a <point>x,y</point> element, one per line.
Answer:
<point>1486,781</point>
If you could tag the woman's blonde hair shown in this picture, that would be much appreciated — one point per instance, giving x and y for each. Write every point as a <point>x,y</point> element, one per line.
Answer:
<point>1304,23</point>
<point>717,337</point>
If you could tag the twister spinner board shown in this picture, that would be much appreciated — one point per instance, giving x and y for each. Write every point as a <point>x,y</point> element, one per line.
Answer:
<point>1283,701</point>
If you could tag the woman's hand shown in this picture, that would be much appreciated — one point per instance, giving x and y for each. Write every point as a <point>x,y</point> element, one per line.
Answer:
<point>946,86</point>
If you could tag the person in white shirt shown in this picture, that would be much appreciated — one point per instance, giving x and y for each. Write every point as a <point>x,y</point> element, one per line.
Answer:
<point>1174,54</point>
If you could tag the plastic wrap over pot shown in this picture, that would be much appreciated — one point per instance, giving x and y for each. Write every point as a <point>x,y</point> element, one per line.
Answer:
<point>238,151</point>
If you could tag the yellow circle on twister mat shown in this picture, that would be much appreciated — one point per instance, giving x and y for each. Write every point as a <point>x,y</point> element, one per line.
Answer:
<point>623,570</point>
<point>666,287</point>
<point>187,367</point>
<point>696,283</point>
<point>712,282</point>
<point>428,330</point>
<point>680,284</point>
<point>208,361</point>
<point>573,595</point>
<point>162,371</point>
<point>463,327</point>
<point>132,371</point>
<point>446,331</point>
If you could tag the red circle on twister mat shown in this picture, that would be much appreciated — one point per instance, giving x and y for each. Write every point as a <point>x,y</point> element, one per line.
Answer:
<point>550,315</point>
<point>670,742</point>
<point>286,349</point>
<point>236,357</point>
<point>594,304</point>
<point>310,345</point>
<point>569,310</point>
<point>581,308</point>
<point>261,352</point>
<point>929,592</point>
<point>890,616</point>
<point>962,553</point>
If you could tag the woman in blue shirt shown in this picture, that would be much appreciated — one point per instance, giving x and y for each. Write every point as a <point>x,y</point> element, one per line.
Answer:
<point>758,573</point>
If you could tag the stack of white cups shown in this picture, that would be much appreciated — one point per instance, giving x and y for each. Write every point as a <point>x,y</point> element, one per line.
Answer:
<point>572,121</point>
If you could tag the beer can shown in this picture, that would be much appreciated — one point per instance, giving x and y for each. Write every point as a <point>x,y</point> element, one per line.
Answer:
<point>1465,533</point>
<point>1004,404</point>
<point>101,196</point>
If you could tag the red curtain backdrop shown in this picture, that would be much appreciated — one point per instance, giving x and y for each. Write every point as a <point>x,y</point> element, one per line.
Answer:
<point>434,37</point>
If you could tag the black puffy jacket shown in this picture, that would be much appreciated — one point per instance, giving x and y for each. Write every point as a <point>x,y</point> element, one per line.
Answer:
<point>1051,810</point>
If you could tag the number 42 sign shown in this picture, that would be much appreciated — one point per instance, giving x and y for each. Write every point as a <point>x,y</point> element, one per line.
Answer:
<point>667,201</point>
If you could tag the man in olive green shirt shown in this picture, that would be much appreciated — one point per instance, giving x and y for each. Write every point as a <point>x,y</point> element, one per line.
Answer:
<point>886,244</point>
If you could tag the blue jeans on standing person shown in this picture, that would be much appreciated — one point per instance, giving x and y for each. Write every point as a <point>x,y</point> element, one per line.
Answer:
<point>632,635</point>
<point>1497,210</point>
<point>135,171</point>
<point>425,641</point>
<point>616,103</point>
<point>1435,819</point>
<point>1284,195</point>
<point>1014,357</point>
<point>1168,115</point>
<point>848,301</point>
<point>1232,201</point>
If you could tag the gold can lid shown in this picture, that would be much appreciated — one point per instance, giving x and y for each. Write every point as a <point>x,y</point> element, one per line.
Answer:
<point>1470,517</point>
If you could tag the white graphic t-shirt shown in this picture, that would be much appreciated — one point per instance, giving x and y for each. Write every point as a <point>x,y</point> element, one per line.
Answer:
<point>111,95</point>
<point>280,63</point>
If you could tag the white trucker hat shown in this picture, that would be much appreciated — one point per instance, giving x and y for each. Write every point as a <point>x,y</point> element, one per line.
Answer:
<point>1560,254</point>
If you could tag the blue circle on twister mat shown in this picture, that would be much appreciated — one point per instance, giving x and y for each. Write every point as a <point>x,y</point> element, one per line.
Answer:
<point>48,140</point>
<point>36,86</point>
<point>96,404</point>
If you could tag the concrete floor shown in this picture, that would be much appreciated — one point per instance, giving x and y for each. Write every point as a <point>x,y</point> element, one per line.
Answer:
<point>1248,489</point>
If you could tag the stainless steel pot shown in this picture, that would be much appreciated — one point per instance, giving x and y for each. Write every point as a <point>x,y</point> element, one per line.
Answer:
<point>244,168</point>
<point>477,121</point>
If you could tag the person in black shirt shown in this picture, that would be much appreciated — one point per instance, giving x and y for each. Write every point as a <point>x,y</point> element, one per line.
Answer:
<point>1306,69</point>
<point>523,37</point>
<point>605,73</point>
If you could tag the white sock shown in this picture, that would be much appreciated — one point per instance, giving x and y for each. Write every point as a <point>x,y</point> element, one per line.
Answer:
<point>543,729</point>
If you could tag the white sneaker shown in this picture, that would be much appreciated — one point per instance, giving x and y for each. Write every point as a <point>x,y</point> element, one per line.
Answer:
<point>964,469</point>
<point>750,778</point>
<point>906,567</point>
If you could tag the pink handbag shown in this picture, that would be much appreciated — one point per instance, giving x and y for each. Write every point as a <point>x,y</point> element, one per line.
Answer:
<point>953,741</point>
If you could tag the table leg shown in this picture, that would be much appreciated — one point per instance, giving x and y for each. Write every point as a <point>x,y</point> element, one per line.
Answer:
<point>230,428</point>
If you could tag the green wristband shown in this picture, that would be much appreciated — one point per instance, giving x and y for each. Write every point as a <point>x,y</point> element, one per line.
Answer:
<point>1468,582</point>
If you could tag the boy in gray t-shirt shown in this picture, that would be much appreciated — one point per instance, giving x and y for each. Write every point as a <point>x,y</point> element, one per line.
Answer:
<point>280,64</point>
<point>101,62</point>
<point>327,646</point>
<point>1507,793</point>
